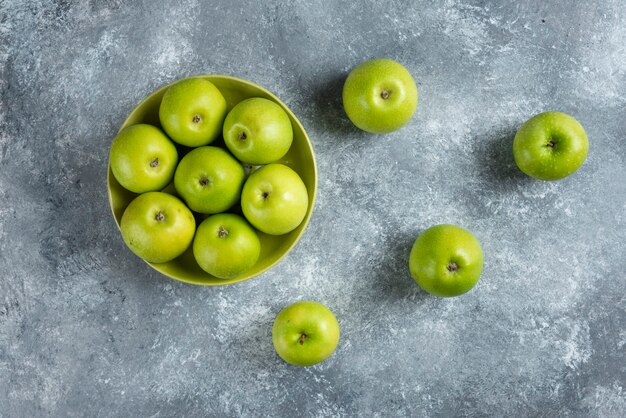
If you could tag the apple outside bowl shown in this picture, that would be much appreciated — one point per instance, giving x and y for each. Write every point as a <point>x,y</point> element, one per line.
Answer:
<point>300,158</point>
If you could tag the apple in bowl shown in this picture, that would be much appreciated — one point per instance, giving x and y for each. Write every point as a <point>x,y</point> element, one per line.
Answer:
<point>226,246</point>
<point>143,159</point>
<point>274,199</point>
<point>258,131</point>
<point>192,112</point>
<point>209,180</point>
<point>157,227</point>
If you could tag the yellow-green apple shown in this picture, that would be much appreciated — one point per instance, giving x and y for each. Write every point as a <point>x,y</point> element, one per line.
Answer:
<point>143,159</point>
<point>226,246</point>
<point>446,260</point>
<point>274,199</point>
<point>192,112</point>
<point>209,179</point>
<point>550,146</point>
<point>305,333</point>
<point>157,227</point>
<point>379,96</point>
<point>258,131</point>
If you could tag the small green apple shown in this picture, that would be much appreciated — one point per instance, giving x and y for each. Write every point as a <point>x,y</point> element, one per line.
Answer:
<point>209,179</point>
<point>550,146</point>
<point>258,131</point>
<point>305,333</point>
<point>274,199</point>
<point>143,159</point>
<point>157,227</point>
<point>226,246</point>
<point>192,112</point>
<point>379,96</point>
<point>446,260</point>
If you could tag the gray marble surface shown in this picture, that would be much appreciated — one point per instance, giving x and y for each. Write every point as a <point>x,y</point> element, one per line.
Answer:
<point>87,329</point>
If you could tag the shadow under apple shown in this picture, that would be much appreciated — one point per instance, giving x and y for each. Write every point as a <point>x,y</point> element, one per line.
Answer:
<point>329,107</point>
<point>391,278</point>
<point>254,346</point>
<point>495,154</point>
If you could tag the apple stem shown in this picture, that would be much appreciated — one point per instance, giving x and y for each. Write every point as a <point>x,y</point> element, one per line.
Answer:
<point>159,216</point>
<point>302,338</point>
<point>196,118</point>
<point>551,144</point>
<point>385,94</point>
<point>452,266</point>
<point>154,162</point>
<point>222,232</point>
<point>242,136</point>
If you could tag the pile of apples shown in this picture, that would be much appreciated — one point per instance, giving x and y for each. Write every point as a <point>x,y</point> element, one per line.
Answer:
<point>210,180</point>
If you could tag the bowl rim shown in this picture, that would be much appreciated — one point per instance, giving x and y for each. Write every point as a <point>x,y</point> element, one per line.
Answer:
<point>305,221</point>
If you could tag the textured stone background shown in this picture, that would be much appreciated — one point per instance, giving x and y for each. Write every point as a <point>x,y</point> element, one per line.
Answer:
<point>87,329</point>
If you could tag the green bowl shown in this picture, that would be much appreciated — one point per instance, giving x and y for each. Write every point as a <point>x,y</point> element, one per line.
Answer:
<point>300,158</point>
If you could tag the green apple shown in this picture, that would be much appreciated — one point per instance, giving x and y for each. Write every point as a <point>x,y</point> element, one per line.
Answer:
<point>379,96</point>
<point>209,179</point>
<point>157,227</point>
<point>305,333</point>
<point>192,112</point>
<point>446,260</point>
<point>274,199</point>
<point>258,131</point>
<point>226,246</point>
<point>550,146</point>
<point>143,159</point>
